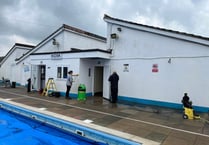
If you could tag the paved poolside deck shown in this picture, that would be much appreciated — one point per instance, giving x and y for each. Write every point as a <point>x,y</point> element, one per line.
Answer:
<point>162,125</point>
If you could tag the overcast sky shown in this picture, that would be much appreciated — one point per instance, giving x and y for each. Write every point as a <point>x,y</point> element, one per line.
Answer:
<point>30,21</point>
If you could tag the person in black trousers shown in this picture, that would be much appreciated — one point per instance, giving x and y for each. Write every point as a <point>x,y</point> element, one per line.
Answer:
<point>113,79</point>
<point>29,85</point>
<point>69,83</point>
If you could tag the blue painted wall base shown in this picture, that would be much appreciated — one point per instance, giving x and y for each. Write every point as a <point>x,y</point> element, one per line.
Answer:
<point>161,104</point>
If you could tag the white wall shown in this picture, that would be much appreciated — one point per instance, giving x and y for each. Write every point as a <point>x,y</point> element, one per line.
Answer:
<point>73,40</point>
<point>68,40</point>
<point>47,45</point>
<point>9,69</point>
<point>23,71</point>
<point>68,60</point>
<point>138,44</point>
<point>51,71</point>
<point>187,71</point>
<point>167,85</point>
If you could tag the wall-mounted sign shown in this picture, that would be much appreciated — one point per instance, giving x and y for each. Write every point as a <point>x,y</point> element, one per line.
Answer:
<point>26,68</point>
<point>155,68</point>
<point>125,67</point>
<point>56,56</point>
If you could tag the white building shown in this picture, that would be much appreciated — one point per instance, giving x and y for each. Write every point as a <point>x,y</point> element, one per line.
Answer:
<point>68,48</point>
<point>8,68</point>
<point>157,66</point>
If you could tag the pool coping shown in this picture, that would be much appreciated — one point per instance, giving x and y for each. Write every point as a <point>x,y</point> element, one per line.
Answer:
<point>116,133</point>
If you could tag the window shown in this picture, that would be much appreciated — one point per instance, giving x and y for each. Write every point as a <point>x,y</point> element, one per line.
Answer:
<point>62,72</point>
<point>65,69</point>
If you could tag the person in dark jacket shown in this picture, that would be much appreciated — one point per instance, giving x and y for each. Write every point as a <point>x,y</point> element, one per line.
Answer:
<point>29,85</point>
<point>186,102</point>
<point>113,79</point>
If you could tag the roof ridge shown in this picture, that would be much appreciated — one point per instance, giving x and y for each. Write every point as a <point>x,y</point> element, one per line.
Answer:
<point>78,30</point>
<point>22,44</point>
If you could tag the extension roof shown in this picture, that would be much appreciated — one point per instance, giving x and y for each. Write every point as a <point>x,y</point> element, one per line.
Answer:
<point>62,28</point>
<point>160,31</point>
<point>20,46</point>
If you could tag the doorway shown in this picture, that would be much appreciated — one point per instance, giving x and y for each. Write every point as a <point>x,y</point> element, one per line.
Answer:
<point>42,77</point>
<point>38,73</point>
<point>98,80</point>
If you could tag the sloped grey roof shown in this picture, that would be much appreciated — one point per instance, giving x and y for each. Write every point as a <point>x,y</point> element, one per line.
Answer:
<point>64,27</point>
<point>157,28</point>
<point>22,46</point>
<point>1,58</point>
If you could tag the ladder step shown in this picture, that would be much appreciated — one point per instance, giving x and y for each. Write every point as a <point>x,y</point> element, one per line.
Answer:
<point>50,87</point>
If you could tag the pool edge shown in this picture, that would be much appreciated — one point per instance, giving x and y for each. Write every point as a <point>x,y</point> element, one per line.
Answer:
<point>102,129</point>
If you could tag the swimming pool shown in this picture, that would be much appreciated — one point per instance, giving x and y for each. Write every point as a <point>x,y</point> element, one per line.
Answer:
<point>27,125</point>
<point>19,130</point>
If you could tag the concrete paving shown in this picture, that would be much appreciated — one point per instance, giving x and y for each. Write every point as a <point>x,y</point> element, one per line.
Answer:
<point>158,124</point>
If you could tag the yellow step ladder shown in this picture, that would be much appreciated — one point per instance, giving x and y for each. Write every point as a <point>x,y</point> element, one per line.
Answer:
<point>50,87</point>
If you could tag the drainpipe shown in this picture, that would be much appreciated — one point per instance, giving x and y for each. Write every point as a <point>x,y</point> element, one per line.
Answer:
<point>112,38</point>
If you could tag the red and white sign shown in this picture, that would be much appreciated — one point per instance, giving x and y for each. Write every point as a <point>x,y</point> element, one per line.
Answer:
<point>155,68</point>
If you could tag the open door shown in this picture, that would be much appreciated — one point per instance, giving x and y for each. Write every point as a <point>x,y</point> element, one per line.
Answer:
<point>106,84</point>
<point>34,77</point>
<point>98,80</point>
<point>38,77</point>
<point>42,76</point>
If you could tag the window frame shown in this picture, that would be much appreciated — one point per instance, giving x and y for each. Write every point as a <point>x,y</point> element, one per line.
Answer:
<point>62,72</point>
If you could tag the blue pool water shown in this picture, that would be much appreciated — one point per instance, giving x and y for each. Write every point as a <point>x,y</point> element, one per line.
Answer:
<point>20,126</point>
<point>19,130</point>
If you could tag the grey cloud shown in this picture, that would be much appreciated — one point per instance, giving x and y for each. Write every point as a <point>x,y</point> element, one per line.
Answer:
<point>35,19</point>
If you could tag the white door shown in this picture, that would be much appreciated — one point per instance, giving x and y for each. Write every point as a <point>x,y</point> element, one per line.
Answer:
<point>34,77</point>
<point>106,84</point>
